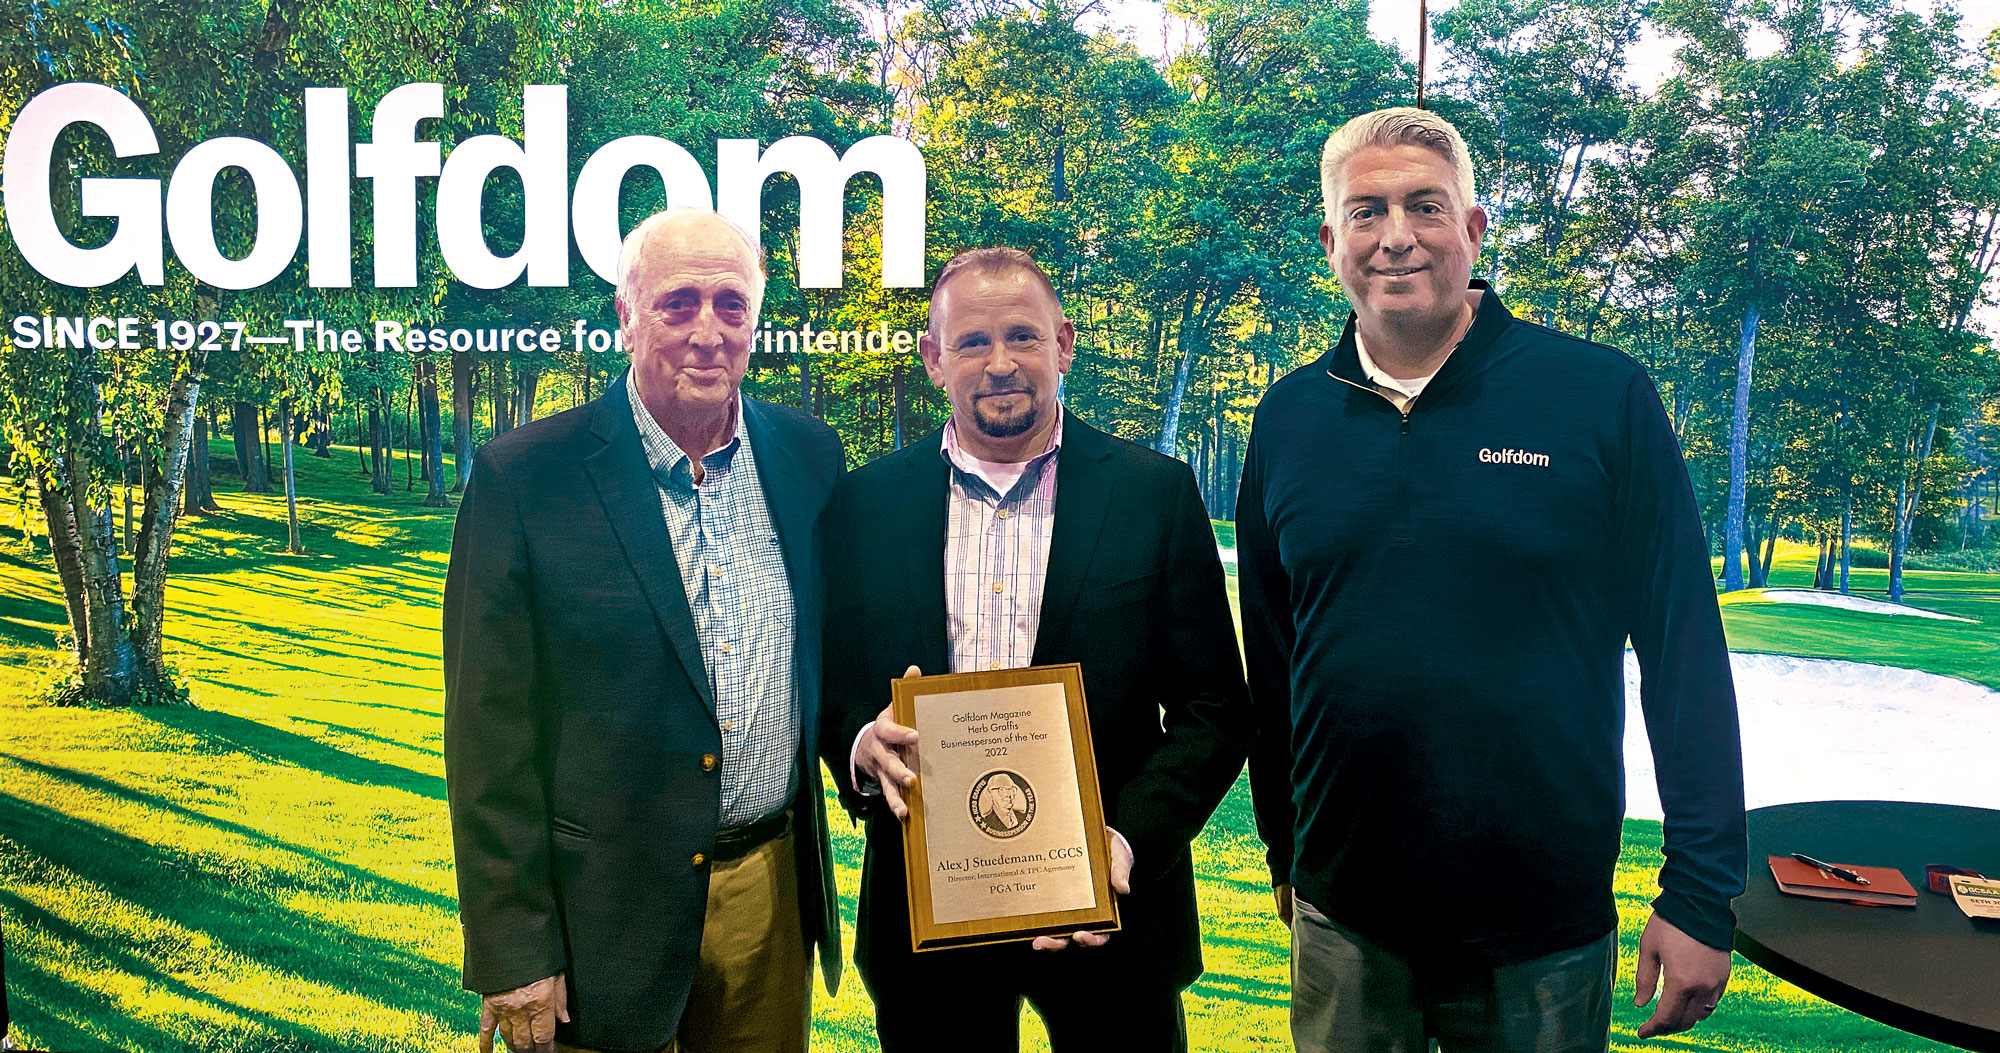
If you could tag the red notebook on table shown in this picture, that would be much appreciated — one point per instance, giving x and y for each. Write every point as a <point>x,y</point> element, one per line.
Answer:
<point>1887,887</point>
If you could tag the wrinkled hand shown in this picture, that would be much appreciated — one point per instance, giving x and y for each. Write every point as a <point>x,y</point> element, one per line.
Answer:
<point>1121,883</point>
<point>1696,976</point>
<point>1283,895</point>
<point>886,752</point>
<point>525,1017</point>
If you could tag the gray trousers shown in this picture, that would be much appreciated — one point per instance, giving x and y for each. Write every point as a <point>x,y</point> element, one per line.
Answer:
<point>1353,996</point>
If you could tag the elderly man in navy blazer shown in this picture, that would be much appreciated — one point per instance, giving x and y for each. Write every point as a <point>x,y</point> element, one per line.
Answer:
<point>631,696</point>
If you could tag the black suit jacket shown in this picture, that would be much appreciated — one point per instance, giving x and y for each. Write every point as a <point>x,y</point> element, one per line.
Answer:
<point>578,714</point>
<point>1134,592</point>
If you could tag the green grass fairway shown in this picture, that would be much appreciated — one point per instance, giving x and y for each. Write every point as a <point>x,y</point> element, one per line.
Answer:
<point>1970,651</point>
<point>272,871</point>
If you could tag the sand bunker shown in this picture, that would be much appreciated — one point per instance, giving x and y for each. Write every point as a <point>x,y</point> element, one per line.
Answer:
<point>1816,598</point>
<point>1817,729</point>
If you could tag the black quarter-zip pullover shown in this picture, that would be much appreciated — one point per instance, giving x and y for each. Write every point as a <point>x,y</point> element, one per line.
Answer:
<point>1436,603</point>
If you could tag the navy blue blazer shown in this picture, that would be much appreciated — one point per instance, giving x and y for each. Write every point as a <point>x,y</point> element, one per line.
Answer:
<point>578,715</point>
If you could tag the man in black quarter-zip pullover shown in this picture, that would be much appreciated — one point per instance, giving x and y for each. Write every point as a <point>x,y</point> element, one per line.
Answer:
<point>1448,527</point>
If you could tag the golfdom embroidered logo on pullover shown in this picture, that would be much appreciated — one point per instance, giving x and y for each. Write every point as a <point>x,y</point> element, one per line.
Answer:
<point>1512,456</point>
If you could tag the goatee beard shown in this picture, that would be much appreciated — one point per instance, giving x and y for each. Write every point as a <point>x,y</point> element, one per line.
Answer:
<point>1010,427</point>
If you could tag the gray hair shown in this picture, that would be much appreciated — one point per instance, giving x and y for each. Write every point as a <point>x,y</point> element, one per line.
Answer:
<point>1395,126</point>
<point>628,252</point>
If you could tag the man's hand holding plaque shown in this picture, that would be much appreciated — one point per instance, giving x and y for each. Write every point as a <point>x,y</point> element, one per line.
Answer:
<point>1014,846</point>
<point>884,752</point>
<point>1121,883</point>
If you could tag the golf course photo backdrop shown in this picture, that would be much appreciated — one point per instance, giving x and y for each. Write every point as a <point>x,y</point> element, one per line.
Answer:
<point>222,546</point>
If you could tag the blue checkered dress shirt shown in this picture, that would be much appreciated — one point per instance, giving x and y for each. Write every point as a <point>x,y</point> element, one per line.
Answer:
<point>733,568</point>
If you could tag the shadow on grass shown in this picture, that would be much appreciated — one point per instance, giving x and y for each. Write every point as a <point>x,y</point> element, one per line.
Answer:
<point>59,1014</point>
<point>306,638</point>
<point>261,1030</point>
<point>240,905</point>
<point>227,686</point>
<point>236,734</point>
<point>19,613</point>
<point>438,713</point>
<point>257,659</point>
<point>364,884</point>
<point>240,538</point>
<point>425,585</point>
<point>1224,987</point>
<point>370,736</point>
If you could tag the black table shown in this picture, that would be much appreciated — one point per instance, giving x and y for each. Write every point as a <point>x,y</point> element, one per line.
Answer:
<point>1930,971</point>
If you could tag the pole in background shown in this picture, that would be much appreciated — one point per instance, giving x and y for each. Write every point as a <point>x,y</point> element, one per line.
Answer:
<point>1423,39</point>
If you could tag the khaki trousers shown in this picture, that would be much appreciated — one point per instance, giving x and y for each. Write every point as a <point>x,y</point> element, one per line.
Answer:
<point>753,986</point>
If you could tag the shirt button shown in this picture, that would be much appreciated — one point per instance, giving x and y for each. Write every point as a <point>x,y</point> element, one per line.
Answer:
<point>729,725</point>
<point>724,648</point>
<point>997,587</point>
<point>1002,513</point>
<point>708,762</point>
<point>994,665</point>
<point>700,859</point>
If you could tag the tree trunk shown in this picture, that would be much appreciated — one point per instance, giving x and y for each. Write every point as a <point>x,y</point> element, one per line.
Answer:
<point>504,398</point>
<point>1750,550</point>
<point>1770,549</point>
<point>125,458</point>
<point>156,532</point>
<point>409,442</point>
<point>110,670</point>
<point>264,444</point>
<point>321,436</point>
<point>1739,453</point>
<point>1846,541</point>
<point>899,397</point>
<point>525,381</point>
<point>198,495</point>
<point>378,440</point>
<point>1185,340</point>
<point>463,369</point>
<point>1235,477</point>
<point>285,436</point>
<point>250,462</point>
<point>1906,515</point>
<point>433,434</point>
<point>67,552</point>
<point>238,437</point>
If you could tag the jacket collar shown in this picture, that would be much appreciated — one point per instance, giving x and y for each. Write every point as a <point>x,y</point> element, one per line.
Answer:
<point>1472,354</point>
<point>1084,485</point>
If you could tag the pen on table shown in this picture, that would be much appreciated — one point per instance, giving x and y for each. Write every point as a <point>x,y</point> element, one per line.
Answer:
<point>1830,870</point>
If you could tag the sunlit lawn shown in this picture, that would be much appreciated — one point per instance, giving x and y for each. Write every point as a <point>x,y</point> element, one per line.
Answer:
<point>272,870</point>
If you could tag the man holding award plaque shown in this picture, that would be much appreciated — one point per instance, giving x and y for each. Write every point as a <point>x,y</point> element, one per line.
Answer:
<point>1093,715</point>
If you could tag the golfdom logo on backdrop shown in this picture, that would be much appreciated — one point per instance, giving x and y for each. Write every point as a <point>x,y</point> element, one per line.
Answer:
<point>394,160</point>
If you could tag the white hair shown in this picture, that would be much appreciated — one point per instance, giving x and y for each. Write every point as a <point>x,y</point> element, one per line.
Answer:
<point>1395,126</point>
<point>628,253</point>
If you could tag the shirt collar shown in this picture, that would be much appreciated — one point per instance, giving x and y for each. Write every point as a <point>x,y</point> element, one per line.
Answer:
<point>1408,388</point>
<point>957,456</point>
<point>1474,351</point>
<point>665,456</point>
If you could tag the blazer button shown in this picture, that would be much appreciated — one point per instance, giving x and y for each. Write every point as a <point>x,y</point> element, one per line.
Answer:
<point>700,858</point>
<point>708,762</point>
